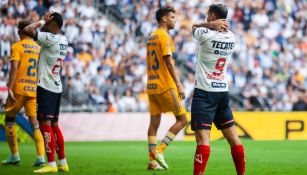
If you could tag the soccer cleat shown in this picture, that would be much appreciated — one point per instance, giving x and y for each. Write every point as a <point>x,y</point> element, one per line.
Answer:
<point>159,158</point>
<point>47,169</point>
<point>12,160</point>
<point>154,165</point>
<point>39,162</point>
<point>63,168</point>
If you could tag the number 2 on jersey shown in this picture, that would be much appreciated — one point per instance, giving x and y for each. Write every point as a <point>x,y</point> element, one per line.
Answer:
<point>152,55</point>
<point>220,64</point>
<point>31,73</point>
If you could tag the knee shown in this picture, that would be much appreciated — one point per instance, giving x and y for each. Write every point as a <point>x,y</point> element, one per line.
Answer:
<point>154,125</point>
<point>183,121</point>
<point>202,139</point>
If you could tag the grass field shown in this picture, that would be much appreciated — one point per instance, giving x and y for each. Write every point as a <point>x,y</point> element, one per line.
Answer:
<point>130,158</point>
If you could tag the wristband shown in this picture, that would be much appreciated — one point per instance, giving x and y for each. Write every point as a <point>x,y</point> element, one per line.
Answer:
<point>42,22</point>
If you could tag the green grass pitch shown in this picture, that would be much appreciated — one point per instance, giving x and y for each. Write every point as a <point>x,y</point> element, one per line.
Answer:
<point>130,158</point>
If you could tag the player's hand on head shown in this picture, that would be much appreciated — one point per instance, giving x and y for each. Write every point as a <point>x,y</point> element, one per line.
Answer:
<point>220,25</point>
<point>11,96</point>
<point>47,17</point>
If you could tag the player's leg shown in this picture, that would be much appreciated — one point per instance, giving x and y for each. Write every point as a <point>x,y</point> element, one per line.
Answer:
<point>202,152</point>
<point>11,110</point>
<point>224,121</point>
<point>59,139</point>
<point>46,101</point>
<point>30,109</point>
<point>237,149</point>
<point>181,122</point>
<point>203,110</point>
<point>169,101</point>
<point>155,118</point>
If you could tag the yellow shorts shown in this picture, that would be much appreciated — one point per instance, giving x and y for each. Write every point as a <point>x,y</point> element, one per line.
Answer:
<point>168,101</point>
<point>29,103</point>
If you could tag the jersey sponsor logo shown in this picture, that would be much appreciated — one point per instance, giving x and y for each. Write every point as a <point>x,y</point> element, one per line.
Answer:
<point>152,86</point>
<point>153,77</point>
<point>199,158</point>
<point>222,52</point>
<point>214,77</point>
<point>57,83</point>
<point>202,31</point>
<point>29,88</point>
<point>223,45</point>
<point>218,85</point>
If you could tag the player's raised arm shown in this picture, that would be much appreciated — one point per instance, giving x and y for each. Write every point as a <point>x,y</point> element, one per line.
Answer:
<point>171,68</point>
<point>219,25</point>
<point>31,29</point>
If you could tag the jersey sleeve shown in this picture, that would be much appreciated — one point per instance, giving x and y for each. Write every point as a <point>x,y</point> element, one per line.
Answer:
<point>166,45</point>
<point>46,39</point>
<point>15,53</point>
<point>202,34</point>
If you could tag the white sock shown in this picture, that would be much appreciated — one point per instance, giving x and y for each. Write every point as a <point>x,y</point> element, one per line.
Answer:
<point>52,164</point>
<point>63,162</point>
<point>15,155</point>
<point>40,157</point>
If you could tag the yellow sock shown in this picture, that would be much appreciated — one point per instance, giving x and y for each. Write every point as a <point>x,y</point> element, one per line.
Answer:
<point>152,143</point>
<point>165,142</point>
<point>11,136</point>
<point>39,143</point>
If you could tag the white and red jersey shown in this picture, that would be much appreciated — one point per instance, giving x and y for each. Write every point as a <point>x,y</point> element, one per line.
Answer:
<point>52,54</point>
<point>215,50</point>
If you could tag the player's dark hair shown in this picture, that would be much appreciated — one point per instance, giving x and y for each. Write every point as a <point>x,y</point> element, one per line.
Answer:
<point>57,18</point>
<point>220,10</point>
<point>23,23</point>
<point>163,11</point>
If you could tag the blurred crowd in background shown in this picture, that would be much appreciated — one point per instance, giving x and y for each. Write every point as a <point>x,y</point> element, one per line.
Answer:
<point>105,67</point>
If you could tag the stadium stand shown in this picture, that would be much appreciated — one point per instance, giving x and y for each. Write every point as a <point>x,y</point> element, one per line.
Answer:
<point>105,66</point>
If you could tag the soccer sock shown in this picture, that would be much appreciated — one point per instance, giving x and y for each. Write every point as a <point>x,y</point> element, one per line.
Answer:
<point>11,136</point>
<point>238,157</point>
<point>166,141</point>
<point>201,157</point>
<point>152,143</point>
<point>49,143</point>
<point>59,142</point>
<point>39,141</point>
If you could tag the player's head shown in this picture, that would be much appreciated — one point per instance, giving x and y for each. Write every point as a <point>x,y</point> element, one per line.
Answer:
<point>217,11</point>
<point>166,16</point>
<point>55,25</point>
<point>21,25</point>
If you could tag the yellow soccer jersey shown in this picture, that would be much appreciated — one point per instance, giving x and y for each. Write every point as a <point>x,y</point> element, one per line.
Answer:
<point>159,44</point>
<point>26,52</point>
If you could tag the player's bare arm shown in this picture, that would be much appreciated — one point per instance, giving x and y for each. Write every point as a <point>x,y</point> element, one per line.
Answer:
<point>219,25</point>
<point>171,69</point>
<point>12,78</point>
<point>31,29</point>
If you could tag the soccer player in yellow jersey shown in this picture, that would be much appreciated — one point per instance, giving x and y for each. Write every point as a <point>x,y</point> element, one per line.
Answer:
<point>165,91</point>
<point>22,93</point>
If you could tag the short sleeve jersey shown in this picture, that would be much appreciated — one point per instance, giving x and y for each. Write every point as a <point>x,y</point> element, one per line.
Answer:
<point>26,52</point>
<point>53,51</point>
<point>215,50</point>
<point>159,44</point>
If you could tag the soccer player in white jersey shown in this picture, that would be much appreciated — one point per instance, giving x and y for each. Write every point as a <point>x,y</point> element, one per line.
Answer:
<point>211,97</point>
<point>52,54</point>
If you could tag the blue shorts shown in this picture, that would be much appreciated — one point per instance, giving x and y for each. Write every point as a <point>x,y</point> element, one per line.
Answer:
<point>208,107</point>
<point>48,104</point>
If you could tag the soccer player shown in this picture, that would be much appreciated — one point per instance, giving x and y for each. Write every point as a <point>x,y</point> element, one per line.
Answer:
<point>22,93</point>
<point>164,88</point>
<point>211,98</point>
<point>49,86</point>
